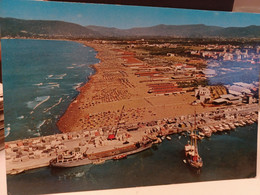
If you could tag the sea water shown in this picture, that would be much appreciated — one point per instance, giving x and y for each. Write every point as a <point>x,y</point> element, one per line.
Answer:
<point>229,72</point>
<point>40,79</point>
<point>230,155</point>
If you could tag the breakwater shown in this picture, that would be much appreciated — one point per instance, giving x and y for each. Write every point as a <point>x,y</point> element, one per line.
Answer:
<point>37,152</point>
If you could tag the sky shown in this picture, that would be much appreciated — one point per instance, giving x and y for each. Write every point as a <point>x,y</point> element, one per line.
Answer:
<point>120,16</point>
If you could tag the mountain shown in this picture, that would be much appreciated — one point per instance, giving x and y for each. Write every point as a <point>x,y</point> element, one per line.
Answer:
<point>41,28</point>
<point>249,32</point>
<point>162,30</point>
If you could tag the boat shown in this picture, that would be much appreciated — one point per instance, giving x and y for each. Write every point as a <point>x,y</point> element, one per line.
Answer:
<point>201,134</point>
<point>208,133</point>
<point>226,127</point>
<point>99,161</point>
<point>191,150</point>
<point>168,138</point>
<point>249,122</point>
<point>231,125</point>
<point>70,159</point>
<point>120,157</point>
<point>221,128</point>
<point>16,171</point>
<point>213,129</point>
<point>236,124</point>
<point>243,123</point>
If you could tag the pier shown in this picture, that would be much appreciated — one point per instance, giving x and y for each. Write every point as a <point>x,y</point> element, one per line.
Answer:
<point>93,146</point>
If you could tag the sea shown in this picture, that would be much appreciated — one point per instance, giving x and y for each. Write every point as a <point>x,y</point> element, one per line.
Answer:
<point>230,72</point>
<point>41,78</point>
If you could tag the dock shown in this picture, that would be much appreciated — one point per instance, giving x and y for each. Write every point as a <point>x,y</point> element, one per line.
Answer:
<point>37,152</point>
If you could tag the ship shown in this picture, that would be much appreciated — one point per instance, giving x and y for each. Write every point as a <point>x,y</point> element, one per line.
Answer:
<point>191,150</point>
<point>74,159</point>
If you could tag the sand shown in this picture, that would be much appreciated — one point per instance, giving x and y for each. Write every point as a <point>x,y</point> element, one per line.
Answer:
<point>115,86</point>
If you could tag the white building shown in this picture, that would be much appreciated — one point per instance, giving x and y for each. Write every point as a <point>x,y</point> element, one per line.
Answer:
<point>202,94</point>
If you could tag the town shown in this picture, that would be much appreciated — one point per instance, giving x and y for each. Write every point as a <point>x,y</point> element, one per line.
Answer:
<point>141,93</point>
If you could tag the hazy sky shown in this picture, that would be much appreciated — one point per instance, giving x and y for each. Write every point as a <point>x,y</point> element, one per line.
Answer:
<point>120,16</point>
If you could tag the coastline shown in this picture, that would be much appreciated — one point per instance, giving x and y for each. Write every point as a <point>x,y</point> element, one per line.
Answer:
<point>22,155</point>
<point>98,99</point>
<point>93,116</point>
<point>105,93</point>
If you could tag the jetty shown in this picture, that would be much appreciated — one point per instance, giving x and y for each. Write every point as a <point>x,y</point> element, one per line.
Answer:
<point>91,146</point>
<point>128,105</point>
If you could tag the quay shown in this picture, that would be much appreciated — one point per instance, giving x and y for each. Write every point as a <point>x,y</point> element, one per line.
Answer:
<point>96,146</point>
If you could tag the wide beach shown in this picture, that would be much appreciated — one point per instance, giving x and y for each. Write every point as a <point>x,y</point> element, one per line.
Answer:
<point>115,99</point>
<point>115,86</point>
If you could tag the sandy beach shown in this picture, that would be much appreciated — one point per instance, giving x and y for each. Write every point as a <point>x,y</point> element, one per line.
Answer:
<point>119,104</point>
<point>115,86</point>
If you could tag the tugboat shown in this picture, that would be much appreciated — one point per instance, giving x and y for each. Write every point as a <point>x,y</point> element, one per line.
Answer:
<point>191,150</point>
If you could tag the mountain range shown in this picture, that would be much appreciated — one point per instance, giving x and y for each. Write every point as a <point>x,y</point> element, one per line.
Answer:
<point>58,29</point>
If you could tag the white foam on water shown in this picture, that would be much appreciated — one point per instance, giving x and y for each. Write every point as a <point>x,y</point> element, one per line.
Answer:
<point>52,85</point>
<point>20,117</point>
<point>38,84</point>
<point>40,124</point>
<point>7,130</point>
<point>37,134</point>
<point>43,98</point>
<point>81,65</point>
<point>58,77</point>
<point>79,174</point>
<point>77,85</point>
<point>31,104</point>
<point>48,109</point>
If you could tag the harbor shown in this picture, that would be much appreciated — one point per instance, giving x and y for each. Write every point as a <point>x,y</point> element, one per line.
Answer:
<point>128,106</point>
<point>88,147</point>
<point>161,164</point>
<point>123,118</point>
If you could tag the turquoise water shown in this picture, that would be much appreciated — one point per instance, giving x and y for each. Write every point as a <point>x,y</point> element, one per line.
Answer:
<point>40,78</point>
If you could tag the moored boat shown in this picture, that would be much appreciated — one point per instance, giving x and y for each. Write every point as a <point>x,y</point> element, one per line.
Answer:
<point>231,125</point>
<point>99,161</point>
<point>191,150</point>
<point>120,157</point>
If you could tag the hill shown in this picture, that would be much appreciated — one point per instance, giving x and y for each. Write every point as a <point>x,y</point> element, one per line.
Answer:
<point>40,28</point>
<point>53,29</point>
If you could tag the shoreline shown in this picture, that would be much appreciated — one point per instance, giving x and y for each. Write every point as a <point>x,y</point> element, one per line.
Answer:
<point>114,86</point>
<point>31,153</point>
<point>115,90</point>
<point>41,151</point>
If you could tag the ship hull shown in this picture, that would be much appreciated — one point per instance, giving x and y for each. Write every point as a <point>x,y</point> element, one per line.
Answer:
<point>86,161</point>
